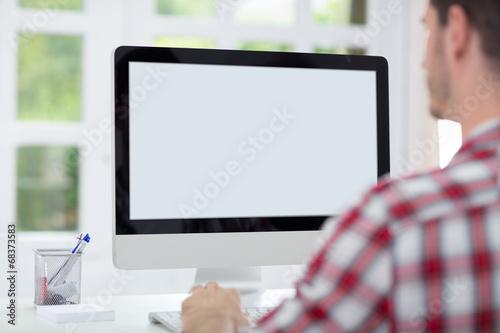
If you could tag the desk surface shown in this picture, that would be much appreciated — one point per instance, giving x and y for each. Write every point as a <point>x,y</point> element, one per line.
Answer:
<point>131,313</point>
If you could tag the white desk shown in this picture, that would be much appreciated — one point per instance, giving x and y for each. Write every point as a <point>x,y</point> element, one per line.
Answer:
<point>131,313</point>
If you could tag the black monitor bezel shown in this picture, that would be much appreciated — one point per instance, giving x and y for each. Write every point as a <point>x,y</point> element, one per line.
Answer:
<point>126,54</point>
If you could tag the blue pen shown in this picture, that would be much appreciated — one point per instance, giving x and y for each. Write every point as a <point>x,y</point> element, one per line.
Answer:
<point>76,246</point>
<point>81,244</point>
<point>63,272</point>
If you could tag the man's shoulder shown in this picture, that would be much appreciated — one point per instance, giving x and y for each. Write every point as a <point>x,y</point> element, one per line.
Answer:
<point>436,193</point>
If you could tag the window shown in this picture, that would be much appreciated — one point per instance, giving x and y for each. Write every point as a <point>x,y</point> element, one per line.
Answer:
<point>262,12</point>
<point>43,104</point>
<point>52,116</point>
<point>325,26</point>
<point>59,5</point>
<point>265,46</point>
<point>49,72</point>
<point>339,11</point>
<point>186,8</point>
<point>47,188</point>
<point>338,50</point>
<point>450,134</point>
<point>193,42</point>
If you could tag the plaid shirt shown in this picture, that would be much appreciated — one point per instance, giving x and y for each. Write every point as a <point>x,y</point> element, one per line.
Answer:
<point>417,254</point>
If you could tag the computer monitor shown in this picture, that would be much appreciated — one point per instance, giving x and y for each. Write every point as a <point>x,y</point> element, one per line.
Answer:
<point>235,158</point>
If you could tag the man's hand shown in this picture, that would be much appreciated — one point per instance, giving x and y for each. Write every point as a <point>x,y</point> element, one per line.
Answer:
<point>213,309</point>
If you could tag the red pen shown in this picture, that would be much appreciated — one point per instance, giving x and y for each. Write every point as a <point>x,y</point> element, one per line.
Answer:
<point>43,285</point>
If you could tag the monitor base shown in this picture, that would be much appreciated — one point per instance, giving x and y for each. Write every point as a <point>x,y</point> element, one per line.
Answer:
<point>244,279</point>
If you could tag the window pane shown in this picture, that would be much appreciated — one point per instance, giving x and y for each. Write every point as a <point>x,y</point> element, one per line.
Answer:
<point>49,82</point>
<point>196,8</point>
<point>199,43</point>
<point>339,50</point>
<point>47,188</point>
<point>339,11</point>
<point>265,46</point>
<point>66,4</point>
<point>276,12</point>
<point>450,134</point>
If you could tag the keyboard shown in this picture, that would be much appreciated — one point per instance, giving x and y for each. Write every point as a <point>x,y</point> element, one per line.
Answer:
<point>172,320</point>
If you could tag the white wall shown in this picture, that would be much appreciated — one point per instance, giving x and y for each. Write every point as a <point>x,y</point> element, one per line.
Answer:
<point>422,146</point>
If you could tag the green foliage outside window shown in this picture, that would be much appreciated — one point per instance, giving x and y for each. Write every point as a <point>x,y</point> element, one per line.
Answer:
<point>49,81</point>
<point>52,4</point>
<point>47,188</point>
<point>196,8</point>
<point>265,46</point>
<point>264,12</point>
<point>198,43</point>
<point>339,50</point>
<point>339,11</point>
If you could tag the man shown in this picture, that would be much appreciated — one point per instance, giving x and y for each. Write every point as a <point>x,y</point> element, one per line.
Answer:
<point>421,253</point>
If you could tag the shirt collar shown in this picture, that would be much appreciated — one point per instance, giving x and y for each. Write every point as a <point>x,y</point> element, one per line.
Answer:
<point>484,136</point>
<point>483,128</point>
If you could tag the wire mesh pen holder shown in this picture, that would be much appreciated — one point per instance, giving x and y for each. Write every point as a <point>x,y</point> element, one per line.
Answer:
<point>58,275</point>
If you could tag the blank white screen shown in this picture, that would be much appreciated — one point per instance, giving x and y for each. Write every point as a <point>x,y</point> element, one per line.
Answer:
<point>199,121</point>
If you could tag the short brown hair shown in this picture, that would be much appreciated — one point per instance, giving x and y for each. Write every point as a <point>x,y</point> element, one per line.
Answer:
<point>484,15</point>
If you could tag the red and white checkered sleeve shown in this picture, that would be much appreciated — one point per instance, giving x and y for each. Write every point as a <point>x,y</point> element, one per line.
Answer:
<point>348,282</point>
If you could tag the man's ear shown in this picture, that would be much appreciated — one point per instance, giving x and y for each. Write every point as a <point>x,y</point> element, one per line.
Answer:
<point>458,33</point>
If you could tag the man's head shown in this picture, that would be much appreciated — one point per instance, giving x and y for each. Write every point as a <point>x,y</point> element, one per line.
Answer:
<point>463,35</point>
